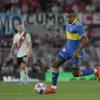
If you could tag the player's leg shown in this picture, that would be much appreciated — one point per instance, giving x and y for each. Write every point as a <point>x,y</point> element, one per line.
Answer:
<point>24,67</point>
<point>95,71</point>
<point>76,63</point>
<point>24,70</point>
<point>55,74</point>
<point>22,74</point>
<point>55,71</point>
<point>61,58</point>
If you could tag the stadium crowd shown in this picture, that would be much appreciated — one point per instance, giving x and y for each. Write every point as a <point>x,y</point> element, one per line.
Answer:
<point>55,6</point>
<point>45,49</point>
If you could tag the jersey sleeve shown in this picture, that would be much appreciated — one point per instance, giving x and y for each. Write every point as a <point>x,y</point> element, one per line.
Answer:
<point>28,37</point>
<point>80,30</point>
<point>14,40</point>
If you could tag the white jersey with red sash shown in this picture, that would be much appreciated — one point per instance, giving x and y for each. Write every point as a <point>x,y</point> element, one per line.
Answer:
<point>21,40</point>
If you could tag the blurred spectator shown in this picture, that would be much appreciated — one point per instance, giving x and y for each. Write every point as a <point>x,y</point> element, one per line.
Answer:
<point>55,8</point>
<point>78,2</point>
<point>25,8</point>
<point>70,2</point>
<point>82,8</point>
<point>21,2</point>
<point>14,1</point>
<point>76,8</point>
<point>32,6</point>
<point>90,8</point>
<point>2,5</point>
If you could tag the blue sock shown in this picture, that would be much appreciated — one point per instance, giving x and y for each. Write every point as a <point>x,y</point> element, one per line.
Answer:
<point>87,72</point>
<point>54,78</point>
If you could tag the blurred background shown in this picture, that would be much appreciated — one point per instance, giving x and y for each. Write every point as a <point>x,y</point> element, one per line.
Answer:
<point>45,21</point>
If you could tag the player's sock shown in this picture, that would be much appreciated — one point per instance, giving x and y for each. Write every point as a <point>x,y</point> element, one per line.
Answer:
<point>88,72</point>
<point>95,70</point>
<point>26,75</point>
<point>26,71</point>
<point>54,79</point>
<point>22,75</point>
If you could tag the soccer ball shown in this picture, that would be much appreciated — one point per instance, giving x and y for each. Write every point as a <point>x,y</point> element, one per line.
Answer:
<point>40,88</point>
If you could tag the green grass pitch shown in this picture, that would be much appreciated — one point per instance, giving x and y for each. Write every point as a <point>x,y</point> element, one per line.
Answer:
<point>65,91</point>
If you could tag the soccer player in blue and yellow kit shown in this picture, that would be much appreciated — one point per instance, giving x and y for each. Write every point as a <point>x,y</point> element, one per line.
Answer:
<point>76,41</point>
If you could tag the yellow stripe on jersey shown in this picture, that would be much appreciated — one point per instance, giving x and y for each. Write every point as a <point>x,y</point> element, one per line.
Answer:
<point>76,18</point>
<point>74,36</point>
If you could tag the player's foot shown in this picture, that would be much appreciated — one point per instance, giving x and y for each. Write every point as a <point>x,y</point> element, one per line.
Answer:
<point>25,81</point>
<point>21,83</point>
<point>97,74</point>
<point>50,91</point>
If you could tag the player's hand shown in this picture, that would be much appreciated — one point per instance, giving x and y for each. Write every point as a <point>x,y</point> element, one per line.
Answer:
<point>11,56</point>
<point>29,55</point>
<point>76,53</point>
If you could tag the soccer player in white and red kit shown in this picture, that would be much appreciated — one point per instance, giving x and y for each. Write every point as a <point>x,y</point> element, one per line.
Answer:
<point>22,41</point>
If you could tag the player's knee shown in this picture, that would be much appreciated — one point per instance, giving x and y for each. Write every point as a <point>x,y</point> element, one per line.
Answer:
<point>56,64</point>
<point>23,65</point>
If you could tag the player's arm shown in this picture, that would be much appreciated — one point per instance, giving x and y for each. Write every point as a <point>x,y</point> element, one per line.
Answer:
<point>29,45</point>
<point>14,45</point>
<point>66,35</point>
<point>84,40</point>
<point>12,49</point>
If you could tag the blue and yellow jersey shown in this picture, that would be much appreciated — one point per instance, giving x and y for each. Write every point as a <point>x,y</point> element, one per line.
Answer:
<point>74,32</point>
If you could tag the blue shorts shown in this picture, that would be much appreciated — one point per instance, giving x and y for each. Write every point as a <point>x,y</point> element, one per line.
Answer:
<point>65,54</point>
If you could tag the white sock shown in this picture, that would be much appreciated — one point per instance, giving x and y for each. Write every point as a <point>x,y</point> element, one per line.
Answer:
<point>22,75</point>
<point>54,87</point>
<point>95,70</point>
<point>26,73</point>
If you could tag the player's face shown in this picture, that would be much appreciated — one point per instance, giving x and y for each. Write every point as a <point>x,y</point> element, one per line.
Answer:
<point>70,17</point>
<point>19,27</point>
